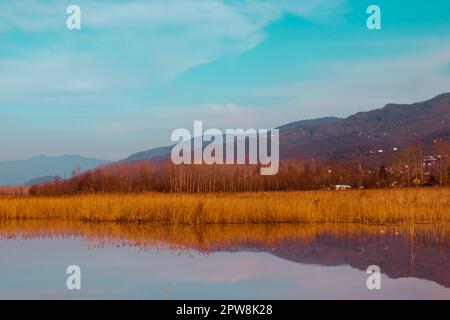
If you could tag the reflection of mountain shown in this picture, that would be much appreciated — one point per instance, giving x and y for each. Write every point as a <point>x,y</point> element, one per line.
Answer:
<point>396,257</point>
<point>416,251</point>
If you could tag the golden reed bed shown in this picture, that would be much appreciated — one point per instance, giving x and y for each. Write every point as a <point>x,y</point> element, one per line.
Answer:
<point>390,206</point>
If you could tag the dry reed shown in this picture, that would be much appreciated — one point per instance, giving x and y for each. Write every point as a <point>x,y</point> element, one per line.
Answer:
<point>388,206</point>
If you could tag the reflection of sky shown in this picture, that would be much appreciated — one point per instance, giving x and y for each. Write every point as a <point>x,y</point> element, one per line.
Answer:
<point>36,269</point>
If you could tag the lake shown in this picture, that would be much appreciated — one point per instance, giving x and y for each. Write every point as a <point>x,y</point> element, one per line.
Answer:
<point>121,261</point>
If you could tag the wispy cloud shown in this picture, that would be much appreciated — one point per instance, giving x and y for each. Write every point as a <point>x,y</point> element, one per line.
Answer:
<point>123,45</point>
<point>352,85</point>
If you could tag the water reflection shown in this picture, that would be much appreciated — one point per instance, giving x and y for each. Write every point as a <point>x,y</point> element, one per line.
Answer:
<point>229,257</point>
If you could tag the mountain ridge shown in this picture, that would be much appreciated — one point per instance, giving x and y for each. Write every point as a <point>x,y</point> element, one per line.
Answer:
<point>21,172</point>
<point>357,136</point>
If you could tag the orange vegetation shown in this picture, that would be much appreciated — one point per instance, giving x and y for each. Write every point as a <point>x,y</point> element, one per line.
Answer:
<point>381,206</point>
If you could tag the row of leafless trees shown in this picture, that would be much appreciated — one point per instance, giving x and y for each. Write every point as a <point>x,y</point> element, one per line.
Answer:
<point>406,170</point>
<point>166,177</point>
<point>13,190</point>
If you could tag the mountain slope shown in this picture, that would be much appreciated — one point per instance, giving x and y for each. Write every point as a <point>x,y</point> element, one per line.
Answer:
<point>393,126</point>
<point>149,154</point>
<point>358,136</point>
<point>19,172</point>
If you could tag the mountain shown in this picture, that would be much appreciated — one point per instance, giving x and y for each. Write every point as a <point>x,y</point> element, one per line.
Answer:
<point>19,172</point>
<point>149,154</point>
<point>371,136</point>
<point>42,180</point>
<point>362,134</point>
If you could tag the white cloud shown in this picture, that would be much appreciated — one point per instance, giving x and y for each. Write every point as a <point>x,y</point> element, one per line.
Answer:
<point>228,116</point>
<point>227,17</point>
<point>135,43</point>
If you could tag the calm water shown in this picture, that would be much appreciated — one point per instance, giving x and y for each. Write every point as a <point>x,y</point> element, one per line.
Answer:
<point>240,262</point>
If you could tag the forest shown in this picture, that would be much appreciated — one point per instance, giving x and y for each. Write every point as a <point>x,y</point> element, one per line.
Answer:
<point>412,166</point>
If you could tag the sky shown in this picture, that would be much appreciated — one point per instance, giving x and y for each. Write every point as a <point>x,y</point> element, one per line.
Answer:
<point>139,69</point>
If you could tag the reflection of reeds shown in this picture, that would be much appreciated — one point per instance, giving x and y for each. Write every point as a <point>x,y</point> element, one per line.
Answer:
<point>218,237</point>
<point>363,207</point>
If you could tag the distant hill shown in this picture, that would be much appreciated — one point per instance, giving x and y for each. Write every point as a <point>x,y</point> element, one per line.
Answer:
<point>41,180</point>
<point>360,136</point>
<point>20,172</point>
<point>151,154</point>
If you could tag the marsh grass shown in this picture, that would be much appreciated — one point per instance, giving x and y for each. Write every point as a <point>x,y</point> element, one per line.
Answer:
<point>388,206</point>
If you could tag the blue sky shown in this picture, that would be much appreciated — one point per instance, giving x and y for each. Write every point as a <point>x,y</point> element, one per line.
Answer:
<point>139,69</point>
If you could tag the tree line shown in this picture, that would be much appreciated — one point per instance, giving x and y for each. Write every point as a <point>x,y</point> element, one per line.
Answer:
<point>412,166</point>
